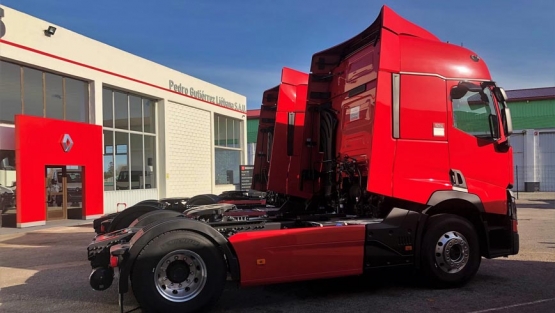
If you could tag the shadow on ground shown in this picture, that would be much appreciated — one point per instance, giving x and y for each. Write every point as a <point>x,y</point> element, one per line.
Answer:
<point>499,282</point>
<point>547,204</point>
<point>50,287</point>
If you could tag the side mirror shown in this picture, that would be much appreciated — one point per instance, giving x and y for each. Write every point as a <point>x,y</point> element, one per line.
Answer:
<point>462,88</point>
<point>500,94</point>
<point>507,120</point>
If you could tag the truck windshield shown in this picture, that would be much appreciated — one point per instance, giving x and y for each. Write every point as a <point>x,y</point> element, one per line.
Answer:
<point>473,112</point>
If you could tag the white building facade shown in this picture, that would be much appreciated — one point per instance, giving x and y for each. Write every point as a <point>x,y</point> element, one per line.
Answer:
<point>166,134</point>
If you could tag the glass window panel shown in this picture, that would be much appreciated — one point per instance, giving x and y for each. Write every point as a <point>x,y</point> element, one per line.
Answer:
<point>7,161</point>
<point>108,160</point>
<point>134,154</point>
<point>122,161</point>
<point>237,134</point>
<point>148,107</point>
<point>227,166</point>
<point>54,96</point>
<point>77,100</point>
<point>135,113</point>
<point>229,133</point>
<point>216,133</point>
<point>121,149</point>
<point>33,95</point>
<point>150,160</point>
<point>121,110</point>
<point>471,114</point>
<point>221,132</point>
<point>107,114</point>
<point>137,169</point>
<point>8,181</point>
<point>10,91</point>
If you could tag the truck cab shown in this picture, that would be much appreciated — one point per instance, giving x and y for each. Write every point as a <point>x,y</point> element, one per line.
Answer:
<point>407,120</point>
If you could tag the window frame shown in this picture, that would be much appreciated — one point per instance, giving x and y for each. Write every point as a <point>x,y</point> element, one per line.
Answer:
<point>463,124</point>
<point>22,67</point>
<point>129,155</point>
<point>225,146</point>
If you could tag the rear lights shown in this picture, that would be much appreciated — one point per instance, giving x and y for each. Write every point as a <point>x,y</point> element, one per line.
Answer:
<point>114,261</point>
<point>118,253</point>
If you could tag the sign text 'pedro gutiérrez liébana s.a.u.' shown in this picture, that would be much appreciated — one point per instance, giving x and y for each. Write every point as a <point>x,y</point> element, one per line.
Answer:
<point>199,94</point>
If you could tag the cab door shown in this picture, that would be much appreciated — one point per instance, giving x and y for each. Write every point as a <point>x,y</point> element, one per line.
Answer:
<point>478,164</point>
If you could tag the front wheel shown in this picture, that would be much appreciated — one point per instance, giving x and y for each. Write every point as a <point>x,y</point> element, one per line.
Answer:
<point>450,251</point>
<point>178,271</point>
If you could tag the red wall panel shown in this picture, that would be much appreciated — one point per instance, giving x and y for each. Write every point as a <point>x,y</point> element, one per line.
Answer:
<point>38,143</point>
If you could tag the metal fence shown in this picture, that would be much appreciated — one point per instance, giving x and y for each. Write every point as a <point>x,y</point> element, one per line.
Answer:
<point>534,178</point>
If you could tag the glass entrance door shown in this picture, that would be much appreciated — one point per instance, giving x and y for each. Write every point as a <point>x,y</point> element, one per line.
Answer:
<point>56,193</point>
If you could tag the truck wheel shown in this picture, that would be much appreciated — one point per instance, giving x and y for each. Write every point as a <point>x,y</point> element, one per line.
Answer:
<point>450,251</point>
<point>178,271</point>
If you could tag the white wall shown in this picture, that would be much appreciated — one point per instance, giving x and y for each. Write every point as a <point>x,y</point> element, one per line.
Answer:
<point>187,153</point>
<point>534,154</point>
<point>546,160</point>
<point>115,201</point>
<point>183,133</point>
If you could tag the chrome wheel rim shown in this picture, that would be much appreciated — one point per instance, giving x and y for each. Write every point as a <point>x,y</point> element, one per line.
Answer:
<point>180,275</point>
<point>452,252</point>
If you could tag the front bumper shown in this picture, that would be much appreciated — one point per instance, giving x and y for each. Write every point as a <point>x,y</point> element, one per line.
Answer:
<point>513,215</point>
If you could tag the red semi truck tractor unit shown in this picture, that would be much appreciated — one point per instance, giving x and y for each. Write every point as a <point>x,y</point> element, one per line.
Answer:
<point>393,151</point>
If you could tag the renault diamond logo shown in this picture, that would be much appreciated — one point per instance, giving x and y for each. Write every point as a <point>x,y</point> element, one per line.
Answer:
<point>67,143</point>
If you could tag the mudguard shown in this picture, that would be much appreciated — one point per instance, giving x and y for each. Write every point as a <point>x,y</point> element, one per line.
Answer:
<point>153,230</point>
<point>442,195</point>
<point>127,216</point>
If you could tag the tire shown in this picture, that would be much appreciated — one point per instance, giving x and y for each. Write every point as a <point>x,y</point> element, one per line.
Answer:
<point>442,231</point>
<point>153,216</point>
<point>151,292</point>
<point>127,216</point>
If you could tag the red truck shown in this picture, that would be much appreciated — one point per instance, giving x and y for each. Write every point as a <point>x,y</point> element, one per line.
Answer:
<point>393,151</point>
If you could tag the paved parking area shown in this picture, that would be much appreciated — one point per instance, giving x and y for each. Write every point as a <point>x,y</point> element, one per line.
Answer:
<point>46,271</point>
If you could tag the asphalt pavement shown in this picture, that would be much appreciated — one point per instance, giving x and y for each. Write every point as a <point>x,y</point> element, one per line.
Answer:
<point>46,270</point>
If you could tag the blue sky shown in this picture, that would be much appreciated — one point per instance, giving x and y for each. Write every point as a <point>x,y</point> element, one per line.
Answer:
<point>242,45</point>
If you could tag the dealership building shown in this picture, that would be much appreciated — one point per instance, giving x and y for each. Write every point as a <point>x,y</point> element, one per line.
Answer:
<point>88,129</point>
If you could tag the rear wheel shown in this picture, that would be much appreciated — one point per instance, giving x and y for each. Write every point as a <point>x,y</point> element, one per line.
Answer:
<point>178,271</point>
<point>450,251</point>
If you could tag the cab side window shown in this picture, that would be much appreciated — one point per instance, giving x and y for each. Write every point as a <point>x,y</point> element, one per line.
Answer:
<point>471,114</point>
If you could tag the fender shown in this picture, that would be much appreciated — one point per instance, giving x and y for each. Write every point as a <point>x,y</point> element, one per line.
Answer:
<point>443,195</point>
<point>481,224</point>
<point>146,234</point>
